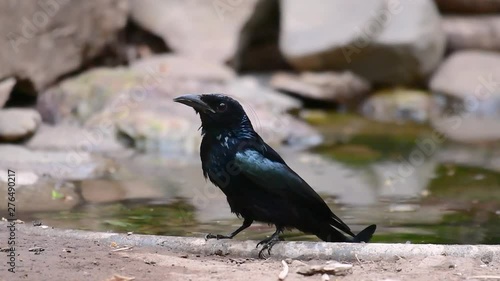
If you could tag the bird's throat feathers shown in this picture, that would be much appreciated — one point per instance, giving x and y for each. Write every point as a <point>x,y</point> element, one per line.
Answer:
<point>241,129</point>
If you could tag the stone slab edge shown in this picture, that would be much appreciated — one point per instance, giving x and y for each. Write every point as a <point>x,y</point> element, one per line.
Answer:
<point>291,249</point>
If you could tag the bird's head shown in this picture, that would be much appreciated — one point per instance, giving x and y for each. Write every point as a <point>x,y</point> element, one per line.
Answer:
<point>217,111</point>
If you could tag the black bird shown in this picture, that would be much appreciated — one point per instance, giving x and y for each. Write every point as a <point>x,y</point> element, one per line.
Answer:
<point>258,184</point>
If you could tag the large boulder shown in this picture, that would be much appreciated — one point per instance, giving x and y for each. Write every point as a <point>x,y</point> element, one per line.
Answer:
<point>472,32</point>
<point>136,103</point>
<point>78,99</point>
<point>47,39</point>
<point>467,96</point>
<point>74,100</point>
<point>196,28</point>
<point>157,124</point>
<point>397,42</point>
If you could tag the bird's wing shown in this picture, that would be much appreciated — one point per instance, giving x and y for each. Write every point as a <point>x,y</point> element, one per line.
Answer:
<point>269,172</point>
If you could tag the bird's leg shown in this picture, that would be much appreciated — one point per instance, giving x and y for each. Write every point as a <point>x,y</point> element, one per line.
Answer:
<point>269,242</point>
<point>246,224</point>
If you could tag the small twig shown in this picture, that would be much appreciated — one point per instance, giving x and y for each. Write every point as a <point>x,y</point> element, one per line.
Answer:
<point>284,272</point>
<point>484,277</point>
<point>117,277</point>
<point>122,249</point>
<point>359,261</point>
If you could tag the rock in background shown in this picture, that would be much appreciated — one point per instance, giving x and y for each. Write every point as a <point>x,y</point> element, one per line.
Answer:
<point>47,39</point>
<point>467,94</point>
<point>395,42</point>
<point>136,103</point>
<point>342,51</point>
<point>472,32</point>
<point>328,87</point>
<point>194,28</point>
<point>18,123</point>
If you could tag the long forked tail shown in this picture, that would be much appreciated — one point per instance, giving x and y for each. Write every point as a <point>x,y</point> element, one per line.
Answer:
<point>365,235</point>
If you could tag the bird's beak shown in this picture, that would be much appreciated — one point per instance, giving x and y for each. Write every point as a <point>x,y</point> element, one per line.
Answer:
<point>195,102</point>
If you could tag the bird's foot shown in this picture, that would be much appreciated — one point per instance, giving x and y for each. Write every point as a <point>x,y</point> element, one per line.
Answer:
<point>217,236</point>
<point>267,244</point>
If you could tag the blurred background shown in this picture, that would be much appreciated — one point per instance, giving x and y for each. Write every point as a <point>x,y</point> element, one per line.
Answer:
<point>390,109</point>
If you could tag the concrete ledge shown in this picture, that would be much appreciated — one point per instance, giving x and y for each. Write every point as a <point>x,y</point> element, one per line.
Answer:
<point>293,249</point>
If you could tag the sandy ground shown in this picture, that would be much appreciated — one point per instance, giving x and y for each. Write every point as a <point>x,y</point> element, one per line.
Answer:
<point>68,259</point>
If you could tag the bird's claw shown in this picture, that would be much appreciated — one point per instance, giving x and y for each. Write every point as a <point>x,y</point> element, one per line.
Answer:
<point>267,245</point>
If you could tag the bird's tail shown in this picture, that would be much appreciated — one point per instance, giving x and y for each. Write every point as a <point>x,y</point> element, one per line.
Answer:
<point>365,235</point>
<point>328,233</point>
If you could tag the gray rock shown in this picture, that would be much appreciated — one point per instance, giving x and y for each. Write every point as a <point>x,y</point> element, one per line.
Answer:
<point>394,42</point>
<point>75,99</point>
<point>469,74</point>
<point>467,96</point>
<point>71,138</point>
<point>196,28</point>
<point>136,103</point>
<point>46,39</point>
<point>18,123</point>
<point>469,6</point>
<point>467,128</point>
<point>472,32</point>
<point>398,105</point>
<point>70,165</point>
<point>327,86</point>
<point>6,87</point>
<point>181,67</point>
<point>159,125</point>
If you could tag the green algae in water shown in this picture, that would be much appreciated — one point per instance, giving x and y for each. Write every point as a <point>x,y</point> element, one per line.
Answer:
<point>465,184</point>
<point>351,154</point>
<point>151,219</point>
<point>166,219</point>
<point>475,226</point>
<point>355,140</point>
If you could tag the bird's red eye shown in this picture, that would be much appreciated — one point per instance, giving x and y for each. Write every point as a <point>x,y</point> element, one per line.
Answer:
<point>221,107</point>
